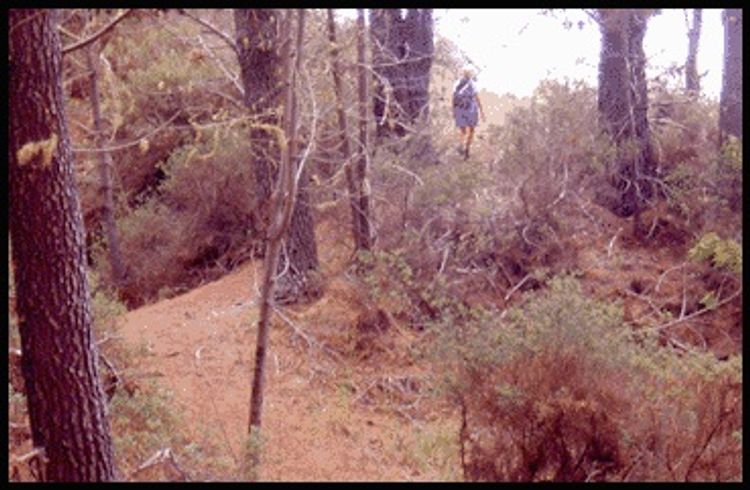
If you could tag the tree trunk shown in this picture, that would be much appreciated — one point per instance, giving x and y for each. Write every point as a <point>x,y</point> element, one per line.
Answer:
<point>282,205</point>
<point>692,80</point>
<point>106,165</point>
<point>360,169</point>
<point>260,64</point>
<point>402,58</point>
<point>361,240</point>
<point>256,32</point>
<point>623,105</point>
<point>645,162</point>
<point>67,408</point>
<point>730,106</point>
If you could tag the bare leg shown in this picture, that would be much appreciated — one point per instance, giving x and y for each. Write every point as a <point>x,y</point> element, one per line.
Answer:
<point>469,138</point>
<point>461,138</point>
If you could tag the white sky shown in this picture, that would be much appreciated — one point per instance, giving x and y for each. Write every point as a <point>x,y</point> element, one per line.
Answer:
<point>514,49</point>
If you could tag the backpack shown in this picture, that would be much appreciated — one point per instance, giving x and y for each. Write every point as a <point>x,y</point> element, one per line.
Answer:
<point>460,99</point>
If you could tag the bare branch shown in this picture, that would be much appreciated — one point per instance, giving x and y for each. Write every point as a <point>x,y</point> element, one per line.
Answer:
<point>131,143</point>
<point>215,30</point>
<point>96,35</point>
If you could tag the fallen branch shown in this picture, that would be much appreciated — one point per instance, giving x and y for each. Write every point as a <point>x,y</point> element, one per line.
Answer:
<point>518,286</point>
<point>697,313</point>
<point>161,456</point>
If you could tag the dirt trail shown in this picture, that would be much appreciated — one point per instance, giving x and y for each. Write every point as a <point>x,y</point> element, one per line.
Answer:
<point>315,426</point>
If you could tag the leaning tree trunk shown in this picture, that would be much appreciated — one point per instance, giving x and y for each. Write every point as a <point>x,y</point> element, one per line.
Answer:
<point>260,64</point>
<point>281,206</point>
<point>730,106</point>
<point>692,80</point>
<point>67,408</point>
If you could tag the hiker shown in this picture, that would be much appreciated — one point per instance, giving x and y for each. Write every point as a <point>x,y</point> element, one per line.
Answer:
<point>466,110</point>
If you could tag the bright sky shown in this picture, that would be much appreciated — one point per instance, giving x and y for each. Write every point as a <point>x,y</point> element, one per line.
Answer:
<point>514,49</point>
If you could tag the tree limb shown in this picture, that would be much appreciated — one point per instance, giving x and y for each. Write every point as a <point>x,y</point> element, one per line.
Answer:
<point>96,35</point>
<point>215,30</point>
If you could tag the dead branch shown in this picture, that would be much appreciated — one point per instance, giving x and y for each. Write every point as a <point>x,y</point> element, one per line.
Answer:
<point>132,143</point>
<point>162,456</point>
<point>214,30</point>
<point>98,34</point>
<point>517,286</point>
<point>697,313</point>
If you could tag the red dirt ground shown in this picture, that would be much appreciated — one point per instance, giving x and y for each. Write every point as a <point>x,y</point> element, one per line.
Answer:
<point>323,418</point>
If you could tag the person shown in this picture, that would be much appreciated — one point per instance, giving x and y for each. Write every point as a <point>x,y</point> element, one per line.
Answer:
<point>466,110</point>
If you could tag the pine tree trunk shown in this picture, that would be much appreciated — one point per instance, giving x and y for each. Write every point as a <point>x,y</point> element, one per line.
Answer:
<point>623,106</point>
<point>730,106</point>
<point>67,408</point>
<point>258,55</point>
<point>260,64</point>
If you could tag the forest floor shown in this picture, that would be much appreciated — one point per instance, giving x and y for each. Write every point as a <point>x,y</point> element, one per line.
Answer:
<point>329,413</point>
<point>335,410</point>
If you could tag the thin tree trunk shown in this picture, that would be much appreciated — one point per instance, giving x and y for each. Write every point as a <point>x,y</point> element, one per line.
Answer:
<point>67,408</point>
<point>645,163</point>
<point>106,165</point>
<point>360,241</point>
<point>282,201</point>
<point>360,170</point>
<point>692,80</point>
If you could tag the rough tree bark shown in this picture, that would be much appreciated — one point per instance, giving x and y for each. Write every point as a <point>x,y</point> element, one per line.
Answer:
<point>730,105</point>
<point>403,49</point>
<point>692,80</point>
<point>67,408</point>
<point>257,39</point>
<point>359,210</point>
<point>106,164</point>
<point>623,105</point>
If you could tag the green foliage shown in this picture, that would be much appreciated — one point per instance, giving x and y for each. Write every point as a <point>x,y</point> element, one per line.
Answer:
<point>142,423</point>
<point>722,254</point>
<point>562,379</point>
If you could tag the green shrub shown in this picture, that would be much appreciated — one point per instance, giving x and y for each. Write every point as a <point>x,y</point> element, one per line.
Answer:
<point>560,389</point>
<point>722,254</point>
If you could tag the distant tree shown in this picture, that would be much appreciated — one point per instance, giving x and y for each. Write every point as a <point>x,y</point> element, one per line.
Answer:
<point>258,45</point>
<point>692,80</point>
<point>730,106</point>
<point>360,167</point>
<point>403,49</point>
<point>623,104</point>
<point>106,167</point>
<point>67,408</point>
<point>355,175</point>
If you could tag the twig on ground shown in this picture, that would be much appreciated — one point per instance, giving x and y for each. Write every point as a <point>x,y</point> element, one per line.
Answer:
<point>161,456</point>
<point>517,286</point>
